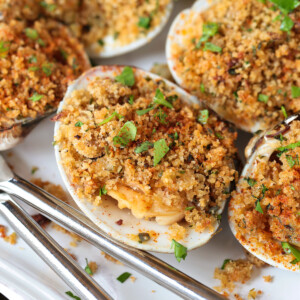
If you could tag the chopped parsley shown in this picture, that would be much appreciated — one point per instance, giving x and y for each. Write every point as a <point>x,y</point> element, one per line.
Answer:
<point>286,148</point>
<point>258,207</point>
<point>160,150</point>
<point>126,134</point>
<point>257,203</point>
<point>219,136</point>
<point>179,250</point>
<point>291,161</point>
<point>143,147</point>
<point>284,112</point>
<point>208,31</point>
<point>190,208</point>
<point>31,33</point>
<point>144,111</point>
<point>102,191</point>
<point>34,169</point>
<point>47,69</point>
<point>225,262</point>
<point>203,117</point>
<point>131,100</point>
<point>161,116</point>
<point>36,97</point>
<point>295,91</point>
<point>32,59</point>
<point>78,124</point>
<point>49,7</point>
<point>289,249</point>
<point>101,42</point>
<point>202,88</point>
<point>123,277</point>
<point>212,47</point>
<point>263,98</point>
<point>126,77</point>
<point>287,24</point>
<point>87,268</point>
<point>70,294</point>
<point>160,99</point>
<point>108,119</point>
<point>144,22</point>
<point>3,49</point>
<point>252,182</point>
<point>33,69</point>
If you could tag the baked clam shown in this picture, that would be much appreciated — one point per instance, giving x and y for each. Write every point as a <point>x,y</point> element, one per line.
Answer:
<point>143,159</point>
<point>37,61</point>
<point>106,28</point>
<point>264,212</point>
<point>240,57</point>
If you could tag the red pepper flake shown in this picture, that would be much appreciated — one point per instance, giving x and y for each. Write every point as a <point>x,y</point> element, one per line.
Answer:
<point>120,222</point>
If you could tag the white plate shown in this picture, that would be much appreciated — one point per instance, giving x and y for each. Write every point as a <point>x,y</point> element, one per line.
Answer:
<point>24,274</point>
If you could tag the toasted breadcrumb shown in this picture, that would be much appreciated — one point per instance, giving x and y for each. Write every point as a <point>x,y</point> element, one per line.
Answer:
<point>12,238</point>
<point>93,266</point>
<point>253,259</point>
<point>253,294</point>
<point>132,278</point>
<point>176,232</point>
<point>268,278</point>
<point>239,270</point>
<point>238,297</point>
<point>112,259</point>
<point>2,231</point>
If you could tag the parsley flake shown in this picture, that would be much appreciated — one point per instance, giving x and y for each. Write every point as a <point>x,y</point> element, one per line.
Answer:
<point>258,207</point>
<point>69,293</point>
<point>123,277</point>
<point>225,262</point>
<point>179,250</point>
<point>36,97</point>
<point>78,124</point>
<point>126,134</point>
<point>295,91</point>
<point>143,147</point>
<point>131,100</point>
<point>144,22</point>
<point>252,182</point>
<point>263,98</point>
<point>144,111</point>
<point>289,249</point>
<point>160,150</point>
<point>102,191</point>
<point>87,268</point>
<point>126,77</point>
<point>212,47</point>
<point>31,33</point>
<point>159,98</point>
<point>284,112</point>
<point>203,117</point>
<point>286,148</point>
<point>108,119</point>
<point>3,49</point>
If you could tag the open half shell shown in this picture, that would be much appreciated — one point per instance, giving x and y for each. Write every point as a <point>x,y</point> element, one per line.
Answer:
<point>108,212</point>
<point>263,148</point>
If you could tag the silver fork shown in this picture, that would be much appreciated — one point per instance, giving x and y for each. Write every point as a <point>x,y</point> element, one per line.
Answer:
<point>54,255</point>
<point>70,218</point>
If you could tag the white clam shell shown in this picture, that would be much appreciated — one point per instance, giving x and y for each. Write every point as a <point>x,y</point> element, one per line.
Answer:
<point>112,48</point>
<point>257,152</point>
<point>106,215</point>
<point>176,38</point>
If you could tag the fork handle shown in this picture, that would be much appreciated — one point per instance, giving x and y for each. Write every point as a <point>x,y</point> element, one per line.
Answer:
<point>143,262</point>
<point>64,266</point>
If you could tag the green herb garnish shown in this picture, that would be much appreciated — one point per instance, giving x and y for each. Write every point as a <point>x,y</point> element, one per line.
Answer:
<point>33,69</point>
<point>102,191</point>
<point>291,161</point>
<point>160,150</point>
<point>78,124</point>
<point>126,77</point>
<point>203,117</point>
<point>179,250</point>
<point>69,293</point>
<point>225,262</point>
<point>126,134</point>
<point>47,69</point>
<point>131,100</point>
<point>143,147</point>
<point>286,148</point>
<point>212,47</point>
<point>123,277</point>
<point>289,249</point>
<point>49,7</point>
<point>190,208</point>
<point>252,182</point>
<point>100,42</point>
<point>258,207</point>
<point>144,22</point>
<point>159,98</point>
<point>202,88</point>
<point>31,33</point>
<point>284,112</point>
<point>33,170</point>
<point>144,111</point>
<point>3,49</point>
<point>108,119</point>
<point>36,97</point>
<point>87,268</point>
<point>219,136</point>
<point>295,91</point>
<point>263,98</point>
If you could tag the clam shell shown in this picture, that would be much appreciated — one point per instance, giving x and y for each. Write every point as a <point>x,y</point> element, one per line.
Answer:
<point>112,48</point>
<point>106,215</point>
<point>261,145</point>
<point>175,38</point>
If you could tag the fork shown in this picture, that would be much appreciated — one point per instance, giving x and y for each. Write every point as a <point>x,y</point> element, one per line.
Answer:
<point>70,218</point>
<point>50,251</point>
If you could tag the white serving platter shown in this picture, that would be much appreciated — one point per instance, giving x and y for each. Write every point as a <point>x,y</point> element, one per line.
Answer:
<point>23,275</point>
